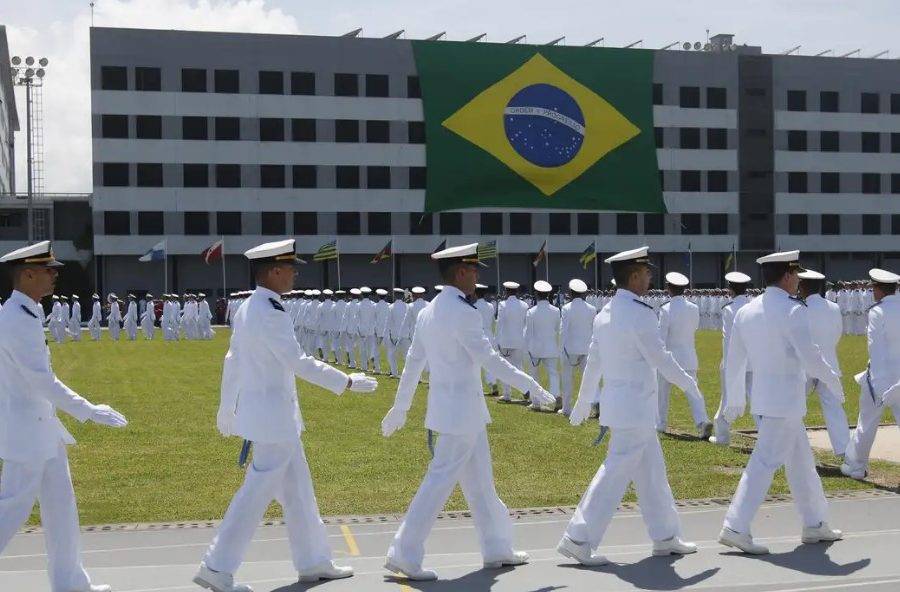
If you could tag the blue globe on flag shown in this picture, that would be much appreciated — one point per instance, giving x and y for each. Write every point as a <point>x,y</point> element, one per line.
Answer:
<point>544,125</point>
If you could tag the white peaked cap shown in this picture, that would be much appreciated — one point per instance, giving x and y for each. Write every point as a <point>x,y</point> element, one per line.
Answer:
<point>399,291</point>
<point>543,287</point>
<point>882,276</point>
<point>782,257</point>
<point>613,282</point>
<point>418,290</point>
<point>465,253</point>
<point>37,254</point>
<point>578,286</point>
<point>355,291</point>
<point>438,288</point>
<point>736,277</point>
<point>511,285</point>
<point>282,250</point>
<point>809,274</point>
<point>480,287</point>
<point>316,292</point>
<point>381,292</point>
<point>677,279</point>
<point>365,290</point>
<point>327,292</point>
<point>639,255</point>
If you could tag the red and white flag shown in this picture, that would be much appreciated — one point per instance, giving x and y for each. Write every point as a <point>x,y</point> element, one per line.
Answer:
<point>213,253</point>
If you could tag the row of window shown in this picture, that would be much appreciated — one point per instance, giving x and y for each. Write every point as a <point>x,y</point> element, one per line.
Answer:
<point>798,182</point>
<point>830,224</point>
<point>830,102</point>
<point>830,141</point>
<point>379,223</point>
<point>716,97</point>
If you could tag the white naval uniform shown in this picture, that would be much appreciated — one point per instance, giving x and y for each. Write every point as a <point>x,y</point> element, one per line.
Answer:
<point>56,322</point>
<point>486,309</point>
<point>368,345</point>
<point>94,322</point>
<point>259,388</point>
<point>542,342</point>
<point>511,334</point>
<point>396,341</point>
<point>825,328</point>
<point>337,335</point>
<point>33,443</point>
<point>382,307</point>
<point>721,426</point>
<point>205,320</point>
<point>148,320</point>
<point>75,321</point>
<point>626,351</point>
<point>883,372</point>
<point>449,337</point>
<point>130,323</point>
<point>351,333</point>
<point>771,335</point>
<point>678,323</point>
<point>114,320</point>
<point>575,338</point>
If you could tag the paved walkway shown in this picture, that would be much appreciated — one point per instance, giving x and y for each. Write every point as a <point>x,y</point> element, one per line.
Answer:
<point>887,442</point>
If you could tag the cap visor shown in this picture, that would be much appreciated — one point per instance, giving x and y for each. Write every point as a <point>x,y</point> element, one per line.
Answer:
<point>55,263</point>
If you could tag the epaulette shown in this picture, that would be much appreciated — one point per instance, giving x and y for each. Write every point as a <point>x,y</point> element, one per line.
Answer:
<point>727,303</point>
<point>28,312</point>
<point>466,300</point>
<point>665,303</point>
<point>642,303</point>
<point>798,299</point>
<point>276,305</point>
<point>873,306</point>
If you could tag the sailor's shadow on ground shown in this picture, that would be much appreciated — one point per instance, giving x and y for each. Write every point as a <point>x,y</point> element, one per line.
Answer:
<point>481,580</point>
<point>808,559</point>
<point>650,573</point>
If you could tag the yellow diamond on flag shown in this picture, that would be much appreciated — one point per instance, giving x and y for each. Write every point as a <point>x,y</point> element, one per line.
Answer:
<point>542,124</point>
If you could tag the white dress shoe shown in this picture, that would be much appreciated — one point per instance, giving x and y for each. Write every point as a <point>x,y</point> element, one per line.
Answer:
<point>820,534</point>
<point>413,573</point>
<point>517,558</point>
<point>744,542</point>
<point>720,441</point>
<point>325,571</point>
<point>705,430</point>
<point>859,475</point>
<point>580,552</point>
<point>218,581</point>
<point>673,546</point>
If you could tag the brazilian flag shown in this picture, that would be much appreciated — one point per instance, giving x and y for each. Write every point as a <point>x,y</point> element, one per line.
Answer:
<point>522,126</point>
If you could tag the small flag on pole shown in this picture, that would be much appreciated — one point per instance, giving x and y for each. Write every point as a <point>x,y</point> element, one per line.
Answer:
<point>589,254</point>
<point>326,252</point>
<point>157,253</point>
<point>729,260</point>
<point>383,254</point>
<point>487,250</point>
<point>213,253</point>
<point>541,255</point>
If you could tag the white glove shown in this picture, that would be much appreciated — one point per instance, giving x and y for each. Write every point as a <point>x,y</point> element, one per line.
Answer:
<point>580,412</point>
<point>106,415</point>
<point>733,412</point>
<point>542,398</point>
<point>225,422</point>
<point>393,421</point>
<point>360,383</point>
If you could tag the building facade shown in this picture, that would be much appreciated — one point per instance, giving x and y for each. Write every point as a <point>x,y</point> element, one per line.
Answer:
<point>9,122</point>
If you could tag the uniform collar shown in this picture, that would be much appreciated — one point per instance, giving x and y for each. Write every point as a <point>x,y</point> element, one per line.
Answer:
<point>452,291</point>
<point>19,298</point>
<point>776,292</point>
<point>267,293</point>
<point>623,293</point>
<point>813,297</point>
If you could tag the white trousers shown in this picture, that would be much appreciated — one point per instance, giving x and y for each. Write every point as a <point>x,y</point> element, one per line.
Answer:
<point>75,330</point>
<point>395,353</point>
<point>835,416</point>
<point>551,366</point>
<point>148,329</point>
<point>634,455</point>
<point>863,437</point>
<point>95,331</point>
<point>130,330</point>
<point>782,441</point>
<point>569,363</point>
<point>463,459</point>
<point>721,426</point>
<point>50,483</point>
<point>114,329</point>
<point>369,348</point>
<point>516,357</point>
<point>664,392</point>
<point>279,472</point>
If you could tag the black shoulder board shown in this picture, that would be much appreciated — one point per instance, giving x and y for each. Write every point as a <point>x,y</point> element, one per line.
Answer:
<point>642,303</point>
<point>665,303</point>
<point>727,303</point>
<point>276,305</point>
<point>466,300</point>
<point>873,306</point>
<point>798,299</point>
<point>28,312</point>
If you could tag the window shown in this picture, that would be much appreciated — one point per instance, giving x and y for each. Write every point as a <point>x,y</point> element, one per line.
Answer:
<point>626,223</point>
<point>378,177</point>
<point>895,224</point>
<point>376,85</point>
<point>796,100</point>
<point>560,223</point>
<point>797,140</point>
<point>228,222</point>
<point>716,138</point>
<point>654,224</point>
<point>871,183</point>
<point>690,180</point>
<point>113,78</point>
<point>420,223</point>
<point>587,224</point>
<point>115,174</point>
<point>690,138</point>
<point>117,223</point>
<point>831,224</point>
<point>147,79</point>
<point>346,85</point>
<point>149,174</point>
<point>871,142</point>
<point>868,103</point>
<point>196,223</point>
<point>451,223</point>
<point>829,141</point>
<point>689,96</point>
<point>716,181</point>
<point>718,223</point>
<point>346,130</point>
<point>228,128</point>
<point>829,101</point>
<point>830,183</point>
<point>797,182</point>
<point>194,128</point>
<point>228,175</point>
<point>303,83</point>
<point>271,82</point>
<point>871,224</point>
<point>148,127</point>
<point>347,177</point>
<point>226,81</point>
<point>413,90</point>
<point>417,177</point>
<point>895,142</point>
<point>304,176</point>
<point>798,224</point>
<point>377,132</point>
<point>716,98</point>
<point>271,176</point>
<point>691,224</point>
<point>195,175</point>
<point>416,132</point>
<point>895,103</point>
<point>658,136</point>
<point>657,93</point>
<point>150,223</point>
<point>271,129</point>
<point>273,223</point>
<point>491,223</point>
<point>520,223</point>
<point>306,223</point>
<point>114,126</point>
<point>895,182</point>
<point>380,223</point>
<point>193,80</point>
<point>303,130</point>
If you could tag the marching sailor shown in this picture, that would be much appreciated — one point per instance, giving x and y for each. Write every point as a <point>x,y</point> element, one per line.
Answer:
<point>75,319</point>
<point>396,342</point>
<point>575,338</point>
<point>542,337</point>
<point>511,330</point>
<point>96,316</point>
<point>738,283</point>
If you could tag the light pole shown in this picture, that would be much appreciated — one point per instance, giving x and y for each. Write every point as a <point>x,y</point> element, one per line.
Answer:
<point>28,76</point>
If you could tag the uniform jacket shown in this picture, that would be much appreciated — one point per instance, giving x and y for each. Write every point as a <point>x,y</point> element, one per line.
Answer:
<point>678,322</point>
<point>511,323</point>
<point>576,326</point>
<point>542,330</point>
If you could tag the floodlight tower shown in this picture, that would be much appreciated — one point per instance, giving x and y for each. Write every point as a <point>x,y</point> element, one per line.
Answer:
<point>30,77</point>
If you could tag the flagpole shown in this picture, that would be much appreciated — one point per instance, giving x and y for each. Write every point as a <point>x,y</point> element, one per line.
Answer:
<point>224,289</point>
<point>596,279</point>
<point>497,264</point>
<point>337,248</point>
<point>547,257</point>
<point>734,255</point>
<point>393,268</point>
<point>166,269</point>
<point>691,264</point>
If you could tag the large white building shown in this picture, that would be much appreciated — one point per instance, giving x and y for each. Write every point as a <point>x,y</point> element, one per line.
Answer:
<point>9,121</point>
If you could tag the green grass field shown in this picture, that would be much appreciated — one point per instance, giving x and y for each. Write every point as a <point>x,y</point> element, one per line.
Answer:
<point>171,464</point>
